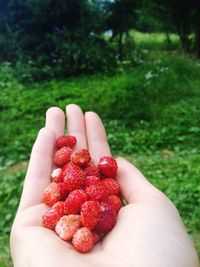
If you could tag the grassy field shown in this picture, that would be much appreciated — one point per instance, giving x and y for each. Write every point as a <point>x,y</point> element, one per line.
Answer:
<point>151,109</point>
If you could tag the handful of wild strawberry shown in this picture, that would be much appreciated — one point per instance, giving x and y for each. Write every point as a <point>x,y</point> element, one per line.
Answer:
<point>84,198</point>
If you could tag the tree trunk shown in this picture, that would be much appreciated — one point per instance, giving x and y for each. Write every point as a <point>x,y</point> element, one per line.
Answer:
<point>184,38</point>
<point>197,35</point>
<point>120,45</point>
<point>185,43</point>
<point>168,37</point>
<point>198,42</point>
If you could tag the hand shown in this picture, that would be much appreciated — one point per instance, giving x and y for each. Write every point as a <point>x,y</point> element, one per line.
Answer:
<point>149,231</point>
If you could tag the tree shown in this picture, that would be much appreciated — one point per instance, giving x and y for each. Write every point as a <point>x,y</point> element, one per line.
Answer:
<point>196,25</point>
<point>120,19</point>
<point>182,16</point>
<point>46,30</point>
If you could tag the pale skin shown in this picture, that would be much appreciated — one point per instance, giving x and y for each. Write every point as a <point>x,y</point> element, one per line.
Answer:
<point>149,231</point>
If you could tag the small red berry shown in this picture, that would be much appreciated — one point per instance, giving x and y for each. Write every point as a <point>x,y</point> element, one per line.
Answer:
<point>97,237</point>
<point>67,226</point>
<point>80,158</point>
<point>111,185</point>
<point>62,156</point>
<point>90,214</point>
<point>52,194</point>
<point>60,207</point>
<point>97,192</point>
<point>74,201</point>
<point>56,175</point>
<point>65,167</point>
<point>64,190</point>
<point>92,170</point>
<point>84,197</point>
<point>73,176</point>
<point>91,180</point>
<point>69,141</point>
<point>115,202</point>
<point>107,218</point>
<point>108,167</point>
<point>83,240</point>
<point>50,218</point>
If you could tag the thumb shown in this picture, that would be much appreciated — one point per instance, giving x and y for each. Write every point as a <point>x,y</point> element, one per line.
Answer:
<point>134,186</point>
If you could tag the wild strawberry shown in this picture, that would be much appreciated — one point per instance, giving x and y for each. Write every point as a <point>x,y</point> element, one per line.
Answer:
<point>92,170</point>
<point>80,158</point>
<point>107,218</point>
<point>111,185</point>
<point>97,237</point>
<point>50,218</point>
<point>69,141</point>
<point>56,175</point>
<point>52,194</point>
<point>64,190</point>
<point>90,214</point>
<point>115,202</point>
<point>62,156</point>
<point>97,192</point>
<point>74,201</point>
<point>83,240</point>
<point>67,226</point>
<point>71,169</point>
<point>84,205</point>
<point>91,180</point>
<point>64,167</point>
<point>108,167</point>
<point>60,207</point>
<point>73,176</point>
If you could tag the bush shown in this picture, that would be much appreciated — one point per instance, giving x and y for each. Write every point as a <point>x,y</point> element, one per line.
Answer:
<point>87,55</point>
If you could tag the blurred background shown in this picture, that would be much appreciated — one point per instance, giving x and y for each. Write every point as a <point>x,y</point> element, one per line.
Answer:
<point>134,62</point>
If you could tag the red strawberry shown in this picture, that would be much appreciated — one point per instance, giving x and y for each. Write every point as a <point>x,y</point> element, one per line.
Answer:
<point>97,192</point>
<point>56,175</point>
<point>115,202</point>
<point>111,185</point>
<point>108,167</point>
<point>50,218</point>
<point>92,170</point>
<point>64,191</point>
<point>97,237</point>
<point>91,180</point>
<point>80,158</point>
<point>60,207</point>
<point>62,156</point>
<point>90,214</point>
<point>84,205</point>
<point>83,240</point>
<point>74,201</point>
<point>67,226</point>
<point>73,176</point>
<point>107,218</point>
<point>52,194</point>
<point>69,141</point>
<point>65,167</point>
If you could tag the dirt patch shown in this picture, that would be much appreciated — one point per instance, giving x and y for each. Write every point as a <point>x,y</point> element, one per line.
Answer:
<point>20,166</point>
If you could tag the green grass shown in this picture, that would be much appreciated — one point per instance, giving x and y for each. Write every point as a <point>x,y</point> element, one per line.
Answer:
<point>156,38</point>
<point>151,109</point>
<point>155,41</point>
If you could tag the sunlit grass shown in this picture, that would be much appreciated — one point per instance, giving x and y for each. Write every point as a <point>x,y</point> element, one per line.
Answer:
<point>155,40</point>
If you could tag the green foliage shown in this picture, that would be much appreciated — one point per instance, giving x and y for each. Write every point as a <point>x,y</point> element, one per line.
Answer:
<point>151,110</point>
<point>179,16</point>
<point>68,38</point>
<point>144,88</point>
<point>82,55</point>
<point>65,38</point>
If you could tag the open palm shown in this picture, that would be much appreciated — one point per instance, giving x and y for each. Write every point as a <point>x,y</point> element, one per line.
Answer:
<point>149,231</point>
